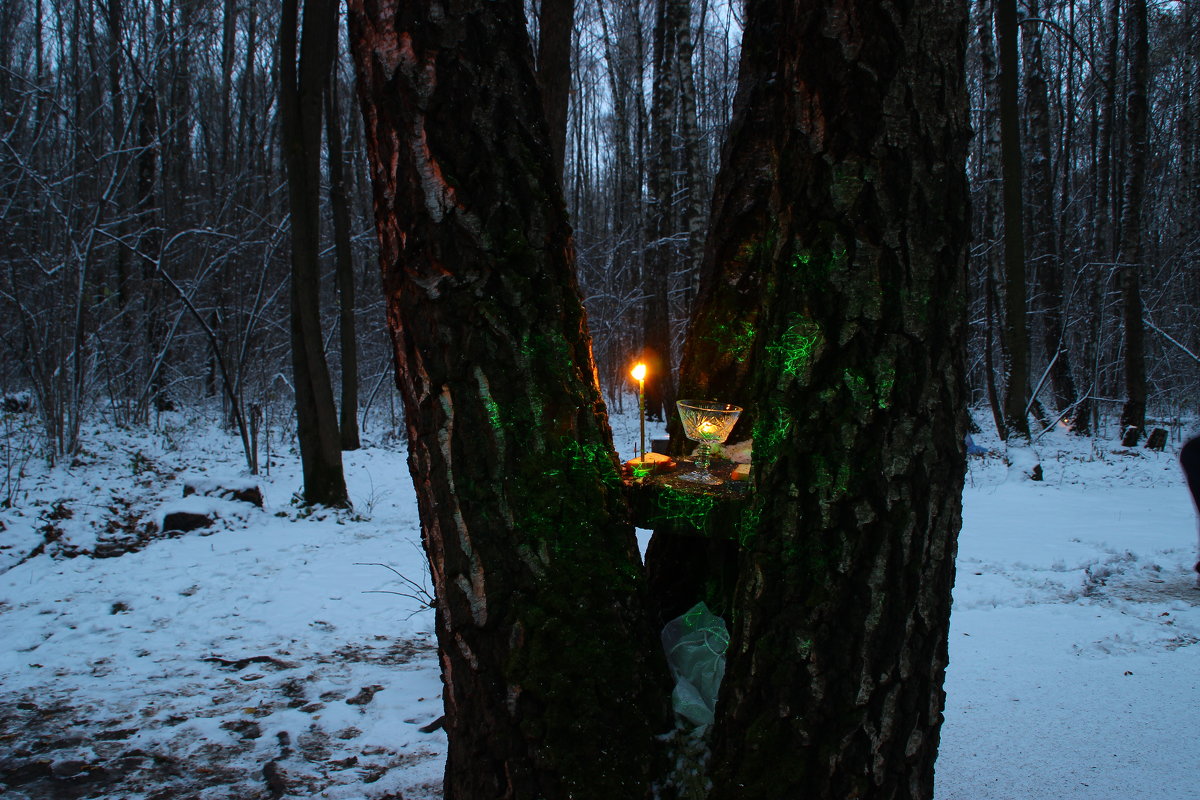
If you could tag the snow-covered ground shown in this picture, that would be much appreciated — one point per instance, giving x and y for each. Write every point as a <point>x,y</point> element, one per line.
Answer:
<point>266,655</point>
<point>257,658</point>
<point>1075,636</point>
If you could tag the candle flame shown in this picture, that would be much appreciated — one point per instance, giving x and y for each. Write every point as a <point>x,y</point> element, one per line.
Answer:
<point>639,372</point>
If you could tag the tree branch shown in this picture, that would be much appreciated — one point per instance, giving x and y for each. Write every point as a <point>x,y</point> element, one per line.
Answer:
<point>1170,339</point>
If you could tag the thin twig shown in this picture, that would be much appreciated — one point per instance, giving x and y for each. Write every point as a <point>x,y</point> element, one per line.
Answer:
<point>425,598</point>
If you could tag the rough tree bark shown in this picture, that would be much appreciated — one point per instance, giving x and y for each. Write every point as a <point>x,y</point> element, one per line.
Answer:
<point>833,687</point>
<point>301,114</point>
<point>554,683</point>
<point>555,25</point>
<point>1133,413</point>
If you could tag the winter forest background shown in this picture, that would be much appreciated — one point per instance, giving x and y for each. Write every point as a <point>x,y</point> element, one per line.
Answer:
<point>144,233</point>
<point>187,240</point>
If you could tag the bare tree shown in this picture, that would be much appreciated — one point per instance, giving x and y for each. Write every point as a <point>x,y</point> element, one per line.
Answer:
<point>301,94</point>
<point>344,261</point>
<point>1133,415</point>
<point>1040,211</point>
<point>1016,336</point>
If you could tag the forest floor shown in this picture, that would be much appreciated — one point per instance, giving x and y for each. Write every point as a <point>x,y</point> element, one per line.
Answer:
<point>267,656</point>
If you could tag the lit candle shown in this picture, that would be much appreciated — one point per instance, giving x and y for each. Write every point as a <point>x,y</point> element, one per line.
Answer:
<point>707,429</point>
<point>639,375</point>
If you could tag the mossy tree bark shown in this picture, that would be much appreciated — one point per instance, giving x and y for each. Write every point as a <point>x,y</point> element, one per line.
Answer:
<point>555,685</point>
<point>834,683</point>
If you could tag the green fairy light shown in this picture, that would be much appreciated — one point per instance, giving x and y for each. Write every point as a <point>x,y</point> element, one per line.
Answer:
<point>838,254</point>
<point>829,255</point>
<point>673,505</point>
<point>822,479</point>
<point>493,411</point>
<point>495,419</point>
<point>887,382</point>
<point>861,390</point>
<point>590,457</point>
<point>842,486</point>
<point>770,432</point>
<point>741,342</point>
<point>733,338</point>
<point>748,525</point>
<point>641,471</point>
<point>858,388</point>
<point>549,350</point>
<point>793,351</point>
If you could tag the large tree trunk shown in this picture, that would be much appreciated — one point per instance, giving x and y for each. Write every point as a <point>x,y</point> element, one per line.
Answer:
<point>1016,336</point>
<point>555,25</point>
<point>719,352</point>
<point>301,114</point>
<point>554,682</point>
<point>1133,414</point>
<point>833,687</point>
